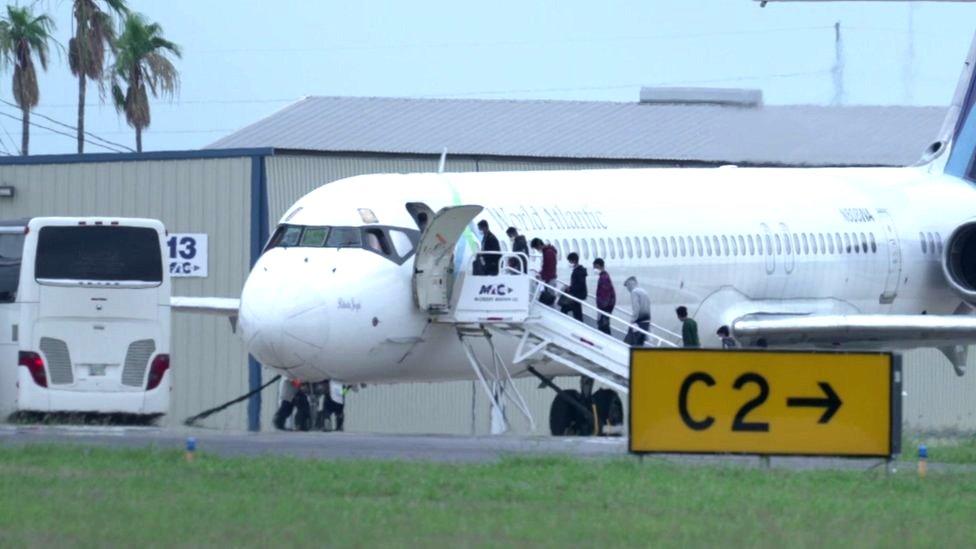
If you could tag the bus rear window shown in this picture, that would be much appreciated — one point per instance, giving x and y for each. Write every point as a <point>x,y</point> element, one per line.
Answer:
<point>108,253</point>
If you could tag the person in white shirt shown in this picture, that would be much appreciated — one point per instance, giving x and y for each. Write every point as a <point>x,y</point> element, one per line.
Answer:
<point>640,304</point>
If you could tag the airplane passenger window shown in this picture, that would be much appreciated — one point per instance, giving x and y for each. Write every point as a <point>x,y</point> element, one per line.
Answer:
<point>555,244</point>
<point>769,245</point>
<point>314,237</point>
<point>840,245</point>
<point>708,247</point>
<point>806,244</point>
<point>630,247</point>
<point>779,245</point>
<point>586,248</point>
<point>344,237</point>
<point>401,242</point>
<point>874,243</point>
<point>820,240</point>
<point>725,244</point>
<point>830,244</point>
<point>931,243</point>
<point>789,247</point>
<point>701,252</point>
<point>603,248</point>
<point>938,242</point>
<point>864,243</point>
<point>647,248</point>
<point>593,246</point>
<point>921,239</point>
<point>857,245</point>
<point>566,249</point>
<point>613,252</point>
<point>657,247</point>
<point>673,248</point>
<point>847,242</point>
<point>683,243</point>
<point>752,247</point>
<point>576,246</point>
<point>620,248</point>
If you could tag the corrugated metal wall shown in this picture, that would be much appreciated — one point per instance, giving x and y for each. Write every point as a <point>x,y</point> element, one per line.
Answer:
<point>209,196</point>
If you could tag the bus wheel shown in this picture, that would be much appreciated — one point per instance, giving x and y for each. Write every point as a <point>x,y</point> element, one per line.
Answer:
<point>609,411</point>
<point>566,419</point>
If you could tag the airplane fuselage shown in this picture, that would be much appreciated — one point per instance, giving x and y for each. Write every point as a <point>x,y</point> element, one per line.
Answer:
<point>724,242</point>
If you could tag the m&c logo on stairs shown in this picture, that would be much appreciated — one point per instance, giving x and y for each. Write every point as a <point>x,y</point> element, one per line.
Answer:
<point>495,293</point>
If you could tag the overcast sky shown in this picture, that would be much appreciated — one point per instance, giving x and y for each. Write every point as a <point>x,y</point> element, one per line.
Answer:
<point>244,59</point>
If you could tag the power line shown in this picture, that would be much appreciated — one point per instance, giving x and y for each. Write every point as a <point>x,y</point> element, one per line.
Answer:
<point>182,102</point>
<point>70,127</point>
<point>50,129</point>
<point>586,40</point>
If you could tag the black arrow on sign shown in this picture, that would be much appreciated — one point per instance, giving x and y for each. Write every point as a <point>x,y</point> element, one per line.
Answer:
<point>832,403</point>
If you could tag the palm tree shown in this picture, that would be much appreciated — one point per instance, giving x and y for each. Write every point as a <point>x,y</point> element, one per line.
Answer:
<point>141,62</point>
<point>94,30</point>
<point>24,36</point>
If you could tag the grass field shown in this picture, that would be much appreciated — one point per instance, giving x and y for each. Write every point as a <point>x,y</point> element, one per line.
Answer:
<point>57,496</point>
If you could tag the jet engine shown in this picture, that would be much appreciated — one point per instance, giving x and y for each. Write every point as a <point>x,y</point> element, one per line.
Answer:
<point>959,261</point>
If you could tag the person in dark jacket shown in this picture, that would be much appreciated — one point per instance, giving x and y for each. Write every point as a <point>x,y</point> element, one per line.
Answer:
<point>519,246</point>
<point>726,338</point>
<point>576,288</point>
<point>689,328</point>
<point>489,243</point>
<point>606,296</point>
<point>548,272</point>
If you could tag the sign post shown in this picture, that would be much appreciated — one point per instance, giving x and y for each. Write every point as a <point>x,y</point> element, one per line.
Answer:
<point>765,402</point>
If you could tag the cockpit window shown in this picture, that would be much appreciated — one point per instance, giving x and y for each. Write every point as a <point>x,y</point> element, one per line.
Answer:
<point>290,236</point>
<point>345,237</point>
<point>402,242</point>
<point>314,237</point>
<point>394,243</point>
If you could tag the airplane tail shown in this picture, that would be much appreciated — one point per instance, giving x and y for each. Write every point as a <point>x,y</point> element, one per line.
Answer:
<point>954,151</point>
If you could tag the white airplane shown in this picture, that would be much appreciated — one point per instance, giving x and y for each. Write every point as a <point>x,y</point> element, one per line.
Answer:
<point>850,258</point>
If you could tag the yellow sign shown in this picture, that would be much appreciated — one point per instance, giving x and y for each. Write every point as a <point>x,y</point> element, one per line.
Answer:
<point>764,402</point>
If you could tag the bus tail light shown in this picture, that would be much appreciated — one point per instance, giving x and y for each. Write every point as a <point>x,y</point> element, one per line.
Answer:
<point>35,365</point>
<point>159,366</point>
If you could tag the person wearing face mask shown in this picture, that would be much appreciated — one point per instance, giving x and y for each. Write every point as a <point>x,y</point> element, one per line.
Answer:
<point>519,246</point>
<point>606,297</point>
<point>576,288</point>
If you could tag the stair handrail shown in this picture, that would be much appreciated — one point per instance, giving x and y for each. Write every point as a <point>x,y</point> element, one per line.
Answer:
<point>540,286</point>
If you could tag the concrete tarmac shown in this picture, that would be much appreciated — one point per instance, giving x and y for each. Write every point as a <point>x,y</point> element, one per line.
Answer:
<point>437,448</point>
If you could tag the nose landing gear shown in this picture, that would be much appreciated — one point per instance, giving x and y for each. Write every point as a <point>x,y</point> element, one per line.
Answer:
<point>583,412</point>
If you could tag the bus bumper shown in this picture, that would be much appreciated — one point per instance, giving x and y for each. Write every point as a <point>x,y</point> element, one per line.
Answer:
<point>34,398</point>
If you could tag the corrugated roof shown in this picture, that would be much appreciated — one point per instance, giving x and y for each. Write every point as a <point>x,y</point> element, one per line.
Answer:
<point>793,135</point>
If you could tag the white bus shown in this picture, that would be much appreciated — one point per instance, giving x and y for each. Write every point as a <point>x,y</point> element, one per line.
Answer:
<point>84,317</point>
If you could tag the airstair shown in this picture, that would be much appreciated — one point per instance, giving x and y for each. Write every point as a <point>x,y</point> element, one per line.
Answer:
<point>484,305</point>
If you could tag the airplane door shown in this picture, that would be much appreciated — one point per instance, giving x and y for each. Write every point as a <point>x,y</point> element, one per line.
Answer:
<point>433,266</point>
<point>893,278</point>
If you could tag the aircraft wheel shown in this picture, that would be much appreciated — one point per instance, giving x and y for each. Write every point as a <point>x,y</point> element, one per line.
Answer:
<point>565,419</point>
<point>609,411</point>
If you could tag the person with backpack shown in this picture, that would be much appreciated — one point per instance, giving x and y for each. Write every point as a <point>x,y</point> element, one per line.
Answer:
<point>548,272</point>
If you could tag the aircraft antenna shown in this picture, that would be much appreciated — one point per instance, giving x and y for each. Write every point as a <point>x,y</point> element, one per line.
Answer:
<point>443,161</point>
<point>838,69</point>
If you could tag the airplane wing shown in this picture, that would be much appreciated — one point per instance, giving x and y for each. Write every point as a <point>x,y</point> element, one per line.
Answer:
<point>948,333</point>
<point>220,306</point>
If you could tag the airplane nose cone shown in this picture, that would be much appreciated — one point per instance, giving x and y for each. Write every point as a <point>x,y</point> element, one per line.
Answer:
<point>284,322</point>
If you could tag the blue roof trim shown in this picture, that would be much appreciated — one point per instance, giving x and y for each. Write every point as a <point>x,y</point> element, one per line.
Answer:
<point>132,157</point>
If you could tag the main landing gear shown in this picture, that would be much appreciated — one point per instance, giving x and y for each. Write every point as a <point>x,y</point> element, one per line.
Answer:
<point>583,412</point>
